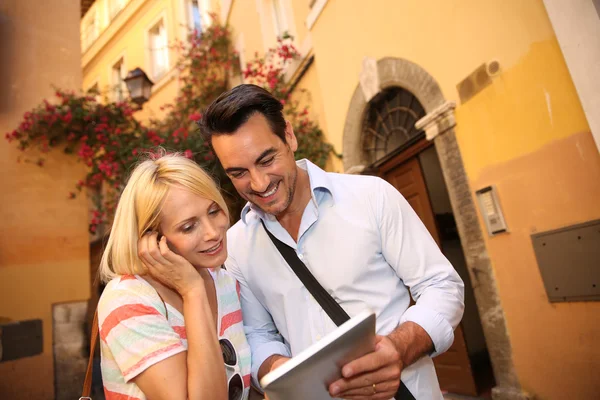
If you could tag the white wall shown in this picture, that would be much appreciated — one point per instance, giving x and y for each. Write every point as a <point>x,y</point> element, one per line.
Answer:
<point>577,27</point>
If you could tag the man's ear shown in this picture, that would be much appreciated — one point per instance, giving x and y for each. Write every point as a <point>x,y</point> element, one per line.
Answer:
<point>290,137</point>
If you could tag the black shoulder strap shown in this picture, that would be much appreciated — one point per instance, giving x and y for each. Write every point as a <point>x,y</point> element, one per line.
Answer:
<point>331,307</point>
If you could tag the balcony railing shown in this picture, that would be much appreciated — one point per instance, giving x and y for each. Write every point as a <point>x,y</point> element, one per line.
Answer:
<point>90,30</point>
<point>115,7</point>
<point>89,35</point>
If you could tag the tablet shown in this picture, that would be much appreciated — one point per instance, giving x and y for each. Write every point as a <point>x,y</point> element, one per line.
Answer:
<point>309,374</point>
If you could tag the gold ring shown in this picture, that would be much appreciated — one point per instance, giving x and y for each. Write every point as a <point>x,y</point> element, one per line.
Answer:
<point>374,389</point>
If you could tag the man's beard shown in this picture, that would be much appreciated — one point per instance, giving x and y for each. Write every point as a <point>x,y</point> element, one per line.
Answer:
<point>290,196</point>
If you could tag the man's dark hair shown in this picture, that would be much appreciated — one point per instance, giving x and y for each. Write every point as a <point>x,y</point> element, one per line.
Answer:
<point>234,108</point>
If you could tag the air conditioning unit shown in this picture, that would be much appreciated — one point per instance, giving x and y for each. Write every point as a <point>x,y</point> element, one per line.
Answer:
<point>477,80</point>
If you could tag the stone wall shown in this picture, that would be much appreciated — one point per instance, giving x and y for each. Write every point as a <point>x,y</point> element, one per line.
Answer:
<point>70,348</point>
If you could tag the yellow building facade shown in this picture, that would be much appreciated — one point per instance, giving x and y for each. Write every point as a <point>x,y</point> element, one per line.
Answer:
<point>44,245</point>
<point>493,105</point>
<point>118,36</point>
<point>524,132</point>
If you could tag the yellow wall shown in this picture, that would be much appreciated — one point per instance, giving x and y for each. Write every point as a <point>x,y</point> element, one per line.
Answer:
<point>526,133</point>
<point>245,13</point>
<point>307,94</point>
<point>44,240</point>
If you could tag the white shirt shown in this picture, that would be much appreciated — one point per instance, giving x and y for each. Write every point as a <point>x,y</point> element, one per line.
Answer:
<point>366,246</point>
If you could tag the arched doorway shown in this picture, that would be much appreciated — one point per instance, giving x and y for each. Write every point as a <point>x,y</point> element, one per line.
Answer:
<point>389,123</point>
<point>380,137</point>
<point>398,152</point>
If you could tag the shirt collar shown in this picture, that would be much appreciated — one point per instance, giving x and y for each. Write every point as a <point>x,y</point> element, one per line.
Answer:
<point>320,187</point>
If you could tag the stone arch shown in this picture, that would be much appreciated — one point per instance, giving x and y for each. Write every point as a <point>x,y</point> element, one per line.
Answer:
<point>391,72</point>
<point>438,124</point>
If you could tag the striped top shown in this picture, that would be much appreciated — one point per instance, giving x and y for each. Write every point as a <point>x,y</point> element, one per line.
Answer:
<point>135,333</point>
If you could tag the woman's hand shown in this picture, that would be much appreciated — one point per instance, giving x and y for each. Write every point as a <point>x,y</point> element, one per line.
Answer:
<point>199,373</point>
<point>167,267</point>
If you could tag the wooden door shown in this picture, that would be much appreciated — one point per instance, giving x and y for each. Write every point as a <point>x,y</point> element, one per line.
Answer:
<point>453,367</point>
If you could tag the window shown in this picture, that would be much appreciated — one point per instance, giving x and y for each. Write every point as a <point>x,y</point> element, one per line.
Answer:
<point>389,123</point>
<point>276,20</point>
<point>195,16</point>
<point>279,20</point>
<point>159,50</point>
<point>114,6</point>
<point>118,84</point>
<point>198,13</point>
<point>89,29</point>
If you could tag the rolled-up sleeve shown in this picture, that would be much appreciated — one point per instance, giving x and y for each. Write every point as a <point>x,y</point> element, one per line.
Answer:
<point>434,284</point>
<point>261,333</point>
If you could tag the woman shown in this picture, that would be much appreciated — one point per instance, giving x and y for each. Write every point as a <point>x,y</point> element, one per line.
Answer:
<point>170,319</point>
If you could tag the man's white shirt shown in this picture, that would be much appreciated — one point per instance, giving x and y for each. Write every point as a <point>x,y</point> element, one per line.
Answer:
<point>366,246</point>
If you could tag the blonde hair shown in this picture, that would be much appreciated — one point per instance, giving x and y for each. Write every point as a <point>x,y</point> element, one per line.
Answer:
<point>140,205</point>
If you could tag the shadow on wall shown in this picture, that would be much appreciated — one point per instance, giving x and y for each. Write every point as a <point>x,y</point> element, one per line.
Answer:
<point>6,51</point>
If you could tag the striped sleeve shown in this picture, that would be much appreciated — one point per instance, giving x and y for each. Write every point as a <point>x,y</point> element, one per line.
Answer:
<point>136,332</point>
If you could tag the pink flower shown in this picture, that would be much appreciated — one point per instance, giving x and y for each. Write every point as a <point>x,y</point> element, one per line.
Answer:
<point>195,116</point>
<point>178,132</point>
<point>85,152</point>
<point>49,107</point>
<point>67,117</point>
<point>155,138</point>
<point>101,127</point>
<point>188,154</point>
<point>13,135</point>
<point>273,83</point>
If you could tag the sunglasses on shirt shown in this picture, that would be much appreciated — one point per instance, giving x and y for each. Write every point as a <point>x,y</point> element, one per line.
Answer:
<point>235,385</point>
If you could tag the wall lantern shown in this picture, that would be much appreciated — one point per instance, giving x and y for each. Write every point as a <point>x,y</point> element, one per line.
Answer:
<point>139,86</point>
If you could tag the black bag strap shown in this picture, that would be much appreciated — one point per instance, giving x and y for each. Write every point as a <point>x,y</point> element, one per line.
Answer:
<point>331,307</point>
<point>337,314</point>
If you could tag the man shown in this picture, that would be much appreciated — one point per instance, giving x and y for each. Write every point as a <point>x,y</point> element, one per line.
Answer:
<point>356,234</point>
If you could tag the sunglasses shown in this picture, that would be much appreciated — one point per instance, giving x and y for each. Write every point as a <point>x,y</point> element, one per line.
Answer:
<point>235,385</point>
